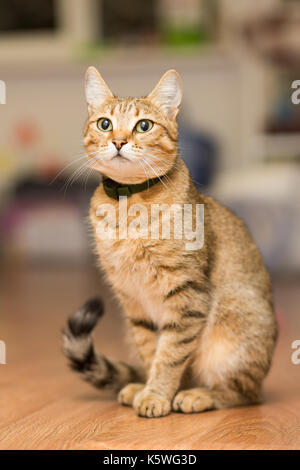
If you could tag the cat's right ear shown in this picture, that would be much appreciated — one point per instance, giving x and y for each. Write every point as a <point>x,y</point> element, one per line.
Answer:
<point>96,90</point>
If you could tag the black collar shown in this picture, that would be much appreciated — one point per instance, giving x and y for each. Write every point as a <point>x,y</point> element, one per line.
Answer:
<point>115,190</point>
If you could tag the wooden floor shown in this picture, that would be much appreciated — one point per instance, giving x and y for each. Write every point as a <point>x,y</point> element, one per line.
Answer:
<point>45,406</point>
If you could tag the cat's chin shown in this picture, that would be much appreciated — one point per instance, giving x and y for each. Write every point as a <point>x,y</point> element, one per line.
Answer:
<point>123,171</point>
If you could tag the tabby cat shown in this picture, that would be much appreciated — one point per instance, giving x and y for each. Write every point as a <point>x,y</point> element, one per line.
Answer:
<point>202,320</point>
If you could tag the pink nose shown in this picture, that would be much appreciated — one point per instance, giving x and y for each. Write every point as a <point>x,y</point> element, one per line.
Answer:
<point>119,142</point>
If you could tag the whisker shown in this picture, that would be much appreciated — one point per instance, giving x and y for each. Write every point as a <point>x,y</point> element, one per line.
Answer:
<point>175,166</point>
<point>87,177</point>
<point>78,173</point>
<point>147,178</point>
<point>166,176</point>
<point>147,163</point>
<point>69,164</point>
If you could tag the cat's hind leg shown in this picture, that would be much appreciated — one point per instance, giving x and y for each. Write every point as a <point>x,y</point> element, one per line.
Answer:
<point>231,362</point>
<point>193,400</point>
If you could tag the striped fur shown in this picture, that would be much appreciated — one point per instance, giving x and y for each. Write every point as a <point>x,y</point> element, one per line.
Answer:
<point>78,347</point>
<point>202,321</point>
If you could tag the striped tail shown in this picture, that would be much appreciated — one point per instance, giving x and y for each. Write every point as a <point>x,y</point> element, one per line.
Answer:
<point>78,347</point>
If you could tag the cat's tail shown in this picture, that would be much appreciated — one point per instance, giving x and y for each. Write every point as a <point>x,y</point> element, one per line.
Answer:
<point>78,347</point>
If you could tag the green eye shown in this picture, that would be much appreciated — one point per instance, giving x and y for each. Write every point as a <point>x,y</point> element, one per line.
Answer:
<point>144,125</point>
<point>104,124</point>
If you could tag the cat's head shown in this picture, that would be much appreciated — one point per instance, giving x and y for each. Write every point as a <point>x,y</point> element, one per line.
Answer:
<point>132,139</point>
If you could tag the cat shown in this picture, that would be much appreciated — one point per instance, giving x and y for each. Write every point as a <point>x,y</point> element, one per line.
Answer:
<point>201,320</point>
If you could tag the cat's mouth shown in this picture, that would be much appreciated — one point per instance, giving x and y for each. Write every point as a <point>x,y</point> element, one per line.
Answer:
<point>120,157</point>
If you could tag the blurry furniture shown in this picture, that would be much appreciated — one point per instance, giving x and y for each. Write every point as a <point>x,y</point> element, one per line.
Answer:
<point>267,198</point>
<point>200,155</point>
<point>43,224</point>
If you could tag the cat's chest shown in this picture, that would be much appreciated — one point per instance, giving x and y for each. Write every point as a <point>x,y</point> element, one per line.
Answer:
<point>131,268</point>
<point>129,263</point>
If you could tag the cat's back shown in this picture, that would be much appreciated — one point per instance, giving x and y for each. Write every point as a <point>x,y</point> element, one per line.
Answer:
<point>237,258</point>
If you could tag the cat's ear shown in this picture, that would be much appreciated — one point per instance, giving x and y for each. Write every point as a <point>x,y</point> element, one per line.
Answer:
<point>168,93</point>
<point>96,89</point>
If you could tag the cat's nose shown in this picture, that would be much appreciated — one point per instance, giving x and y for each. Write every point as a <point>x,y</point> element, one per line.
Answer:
<point>119,142</point>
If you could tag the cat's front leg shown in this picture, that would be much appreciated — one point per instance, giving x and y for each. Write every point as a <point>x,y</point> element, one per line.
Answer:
<point>185,317</point>
<point>143,332</point>
<point>175,347</point>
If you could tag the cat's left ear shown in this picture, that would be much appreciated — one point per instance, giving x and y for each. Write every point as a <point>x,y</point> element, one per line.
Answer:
<point>96,89</point>
<point>168,93</point>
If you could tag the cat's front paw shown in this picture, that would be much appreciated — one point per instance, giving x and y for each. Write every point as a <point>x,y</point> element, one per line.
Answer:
<point>150,404</point>
<point>127,394</point>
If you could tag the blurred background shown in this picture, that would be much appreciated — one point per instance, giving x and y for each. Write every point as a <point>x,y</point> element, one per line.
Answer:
<point>239,130</point>
<point>239,135</point>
